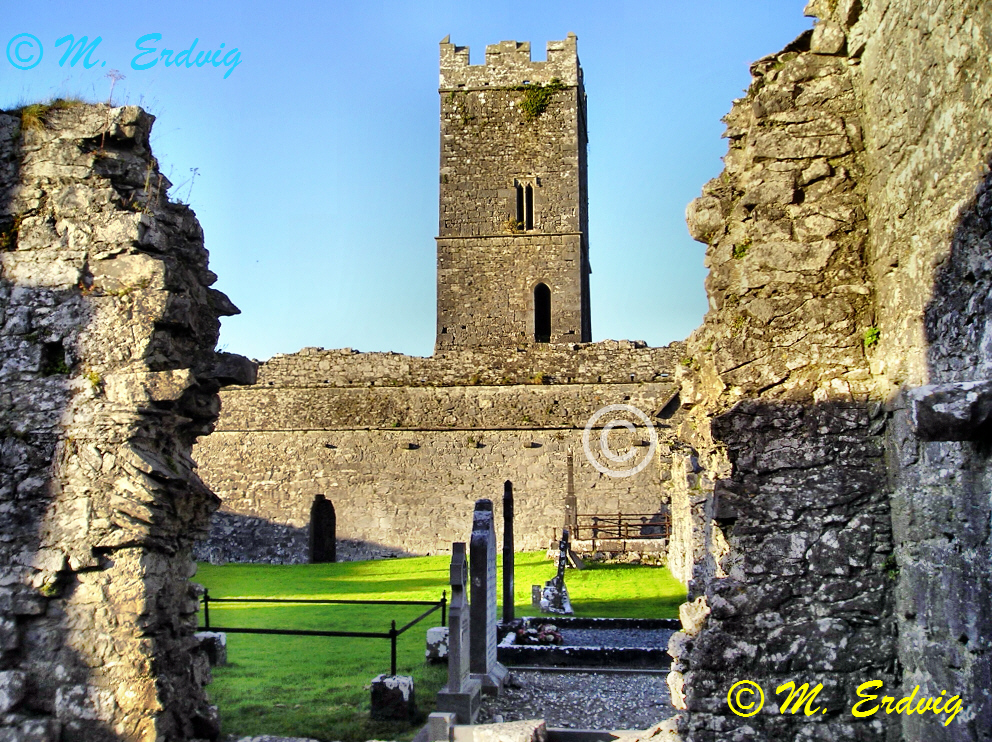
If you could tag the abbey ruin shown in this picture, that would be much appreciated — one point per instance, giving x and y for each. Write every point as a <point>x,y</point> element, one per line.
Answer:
<point>404,446</point>
<point>826,469</point>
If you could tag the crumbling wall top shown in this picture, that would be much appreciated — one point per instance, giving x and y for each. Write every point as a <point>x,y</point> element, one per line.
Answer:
<point>508,63</point>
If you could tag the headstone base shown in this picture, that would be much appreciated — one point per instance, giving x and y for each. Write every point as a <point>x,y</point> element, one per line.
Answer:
<point>440,725</point>
<point>214,643</point>
<point>555,599</point>
<point>464,704</point>
<point>392,698</point>
<point>437,645</point>
<point>492,682</point>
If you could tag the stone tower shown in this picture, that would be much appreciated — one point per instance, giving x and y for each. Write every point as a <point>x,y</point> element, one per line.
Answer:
<point>512,247</point>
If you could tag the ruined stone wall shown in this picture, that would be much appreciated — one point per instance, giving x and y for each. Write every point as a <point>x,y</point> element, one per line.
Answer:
<point>490,257</point>
<point>840,541</point>
<point>404,460</point>
<point>606,362</point>
<point>926,86</point>
<point>787,439</point>
<point>107,330</point>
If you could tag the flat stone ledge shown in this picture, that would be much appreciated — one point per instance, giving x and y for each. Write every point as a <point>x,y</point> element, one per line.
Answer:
<point>952,412</point>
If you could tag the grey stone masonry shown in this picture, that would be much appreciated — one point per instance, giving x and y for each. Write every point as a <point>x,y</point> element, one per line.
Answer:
<point>513,205</point>
<point>108,374</point>
<point>482,561</point>
<point>833,499</point>
<point>462,694</point>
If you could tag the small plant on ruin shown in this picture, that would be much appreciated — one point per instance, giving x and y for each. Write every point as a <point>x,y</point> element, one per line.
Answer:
<point>94,378</point>
<point>740,249</point>
<point>537,97</point>
<point>8,236</point>
<point>512,226</point>
<point>540,378</point>
<point>871,336</point>
<point>53,360</point>
<point>33,116</point>
<point>890,567</point>
<point>738,325</point>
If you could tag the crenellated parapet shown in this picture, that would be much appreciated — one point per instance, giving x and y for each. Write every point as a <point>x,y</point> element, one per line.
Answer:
<point>509,64</point>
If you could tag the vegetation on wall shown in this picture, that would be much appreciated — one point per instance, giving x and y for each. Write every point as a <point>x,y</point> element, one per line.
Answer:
<point>538,96</point>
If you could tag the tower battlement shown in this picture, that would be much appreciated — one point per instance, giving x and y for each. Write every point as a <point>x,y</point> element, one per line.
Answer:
<point>508,64</point>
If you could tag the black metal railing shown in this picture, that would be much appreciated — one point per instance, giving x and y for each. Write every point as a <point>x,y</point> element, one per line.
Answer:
<point>622,526</point>
<point>392,634</point>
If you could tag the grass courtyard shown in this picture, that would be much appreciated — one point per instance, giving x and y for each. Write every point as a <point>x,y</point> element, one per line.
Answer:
<point>318,686</point>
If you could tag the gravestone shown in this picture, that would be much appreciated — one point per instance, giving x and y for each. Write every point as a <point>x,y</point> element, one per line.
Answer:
<point>393,698</point>
<point>323,531</point>
<point>482,561</point>
<point>571,503</point>
<point>507,551</point>
<point>462,694</point>
<point>555,597</point>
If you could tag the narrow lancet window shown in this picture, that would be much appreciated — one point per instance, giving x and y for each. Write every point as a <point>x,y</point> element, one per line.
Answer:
<point>542,314</point>
<point>519,218</point>
<point>529,207</point>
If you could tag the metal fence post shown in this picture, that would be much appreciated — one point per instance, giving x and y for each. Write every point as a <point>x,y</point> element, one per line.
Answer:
<point>392,641</point>
<point>444,607</point>
<point>206,608</point>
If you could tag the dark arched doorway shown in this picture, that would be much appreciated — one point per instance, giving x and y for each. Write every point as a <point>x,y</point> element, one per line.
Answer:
<point>542,314</point>
<point>323,531</point>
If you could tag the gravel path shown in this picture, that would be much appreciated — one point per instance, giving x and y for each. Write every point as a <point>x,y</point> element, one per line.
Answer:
<point>583,700</point>
<point>616,637</point>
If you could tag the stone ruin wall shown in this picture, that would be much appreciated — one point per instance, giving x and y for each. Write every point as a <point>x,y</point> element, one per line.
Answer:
<point>107,330</point>
<point>404,446</point>
<point>839,514</point>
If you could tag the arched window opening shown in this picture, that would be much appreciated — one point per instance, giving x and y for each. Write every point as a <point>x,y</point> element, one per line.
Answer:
<point>520,217</point>
<point>542,314</point>
<point>529,207</point>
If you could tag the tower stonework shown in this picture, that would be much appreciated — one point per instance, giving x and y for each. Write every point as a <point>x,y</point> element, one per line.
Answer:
<point>512,246</point>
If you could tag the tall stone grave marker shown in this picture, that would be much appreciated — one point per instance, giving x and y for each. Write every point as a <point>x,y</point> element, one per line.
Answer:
<point>507,551</point>
<point>482,560</point>
<point>462,694</point>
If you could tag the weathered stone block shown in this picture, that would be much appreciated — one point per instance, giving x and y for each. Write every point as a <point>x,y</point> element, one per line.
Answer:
<point>440,726</point>
<point>393,698</point>
<point>951,412</point>
<point>437,645</point>
<point>214,645</point>
<point>12,688</point>
<point>531,730</point>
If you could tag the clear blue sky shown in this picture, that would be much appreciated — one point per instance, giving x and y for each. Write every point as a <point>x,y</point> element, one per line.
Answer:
<point>317,157</point>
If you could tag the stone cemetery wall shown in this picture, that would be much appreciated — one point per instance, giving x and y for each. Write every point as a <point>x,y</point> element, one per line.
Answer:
<point>834,538</point>
<point>107,330</point>
<point>404,446</point>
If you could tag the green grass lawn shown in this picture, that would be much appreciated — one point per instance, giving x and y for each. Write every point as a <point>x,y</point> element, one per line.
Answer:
<point>317,686</point>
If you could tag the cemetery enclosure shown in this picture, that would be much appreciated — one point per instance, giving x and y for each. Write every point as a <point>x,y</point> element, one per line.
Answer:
<point>268,676</point>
